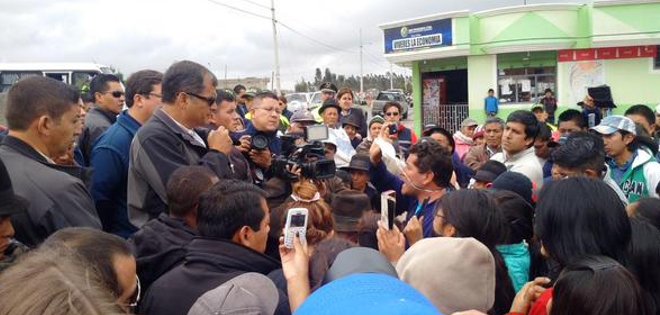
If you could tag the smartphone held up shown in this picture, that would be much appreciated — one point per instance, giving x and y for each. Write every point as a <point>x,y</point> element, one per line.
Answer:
<point>388,208</point>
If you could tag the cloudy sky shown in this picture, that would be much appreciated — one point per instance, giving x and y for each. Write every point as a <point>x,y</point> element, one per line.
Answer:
<point>137,34</point>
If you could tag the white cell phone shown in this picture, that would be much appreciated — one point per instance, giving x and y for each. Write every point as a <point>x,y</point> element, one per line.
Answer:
<point>296,223</point>
<point>388,208</point>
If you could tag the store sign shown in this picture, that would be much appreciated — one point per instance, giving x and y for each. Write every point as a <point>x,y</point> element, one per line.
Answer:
<point>571,55</point>
<point>418,36</point>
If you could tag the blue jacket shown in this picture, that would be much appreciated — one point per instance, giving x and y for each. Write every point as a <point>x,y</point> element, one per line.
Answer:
<point>518,261</point>
<point>110,157</point>
<point>491,105</point>
<point>383,180</point>
<point>275,143</point>
<point>463,173</point>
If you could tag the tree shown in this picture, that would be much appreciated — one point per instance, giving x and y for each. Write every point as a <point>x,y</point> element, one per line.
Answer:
<point>318,77</point>
<point>371,81</point>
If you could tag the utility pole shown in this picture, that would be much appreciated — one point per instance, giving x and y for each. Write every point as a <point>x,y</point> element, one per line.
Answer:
<point>277,51</point>
<point>391,78</point>
<point>226,83</point>
<point>361,67</point>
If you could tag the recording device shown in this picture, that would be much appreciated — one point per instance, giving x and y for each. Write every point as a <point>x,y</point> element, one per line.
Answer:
<point>316,133</point>
<point>388,208</point>
<point>259,142</point>
<point>296,224</point>
<point>310,157</point>
<point>393,129</point>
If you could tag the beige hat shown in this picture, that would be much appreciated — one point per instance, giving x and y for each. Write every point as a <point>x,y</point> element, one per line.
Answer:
<point>455,274</point>
<point>249,293</point>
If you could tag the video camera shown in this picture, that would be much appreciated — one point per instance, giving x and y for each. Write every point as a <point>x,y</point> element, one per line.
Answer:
<point>309,157</point>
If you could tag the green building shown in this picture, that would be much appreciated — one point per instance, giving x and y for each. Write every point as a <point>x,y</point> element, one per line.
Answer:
<point>520,51</point>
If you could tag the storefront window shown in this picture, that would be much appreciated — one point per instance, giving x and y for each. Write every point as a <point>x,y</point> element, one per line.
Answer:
<point>656,60</point>
<point>525,85</point>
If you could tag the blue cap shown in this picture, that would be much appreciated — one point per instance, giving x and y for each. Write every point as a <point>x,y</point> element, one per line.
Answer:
<point>367,294</point>
<point>614,123</point>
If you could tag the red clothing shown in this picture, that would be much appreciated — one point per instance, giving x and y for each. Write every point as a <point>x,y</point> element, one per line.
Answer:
<point>541,305</point>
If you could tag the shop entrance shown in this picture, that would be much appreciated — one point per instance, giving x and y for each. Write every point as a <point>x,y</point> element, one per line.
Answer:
<point>445,98</point>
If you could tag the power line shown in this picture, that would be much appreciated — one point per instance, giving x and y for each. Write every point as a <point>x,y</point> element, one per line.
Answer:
<point>314,39</point>
<point>257,4</point>
<point>240,10</point>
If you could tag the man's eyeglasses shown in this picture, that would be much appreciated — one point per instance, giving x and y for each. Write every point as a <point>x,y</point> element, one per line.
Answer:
<point>116,94</point>
<point>392,114</point>
<point>155,94</point>
<point>209,100</point>
<point>135,298</point>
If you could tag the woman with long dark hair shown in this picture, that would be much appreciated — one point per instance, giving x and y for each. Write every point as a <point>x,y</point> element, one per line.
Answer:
<point>474,213</point>
<point>576,217</point>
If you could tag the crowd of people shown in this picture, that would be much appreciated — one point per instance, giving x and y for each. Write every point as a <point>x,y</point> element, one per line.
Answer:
<point>166,195</point>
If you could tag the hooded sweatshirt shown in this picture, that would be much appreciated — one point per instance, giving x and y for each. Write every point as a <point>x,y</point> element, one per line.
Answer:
<point>463,144</point>
<point>518,261</point>
<point>159,246</point>
<point>641,179</point>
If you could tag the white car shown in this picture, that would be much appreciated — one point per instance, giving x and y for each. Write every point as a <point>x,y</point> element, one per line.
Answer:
<point>296,101</point>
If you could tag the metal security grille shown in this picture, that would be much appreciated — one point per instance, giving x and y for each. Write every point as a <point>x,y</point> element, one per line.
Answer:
<point>448,116</point>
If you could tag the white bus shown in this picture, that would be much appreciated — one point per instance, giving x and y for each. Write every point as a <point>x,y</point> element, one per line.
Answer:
<point>74,73</point>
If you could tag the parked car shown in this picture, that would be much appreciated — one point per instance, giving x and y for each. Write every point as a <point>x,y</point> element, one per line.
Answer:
<point>386,96</point>
<point>296,101</point>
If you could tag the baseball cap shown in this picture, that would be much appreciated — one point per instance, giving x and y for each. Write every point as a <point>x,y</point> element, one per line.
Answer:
<point>462,276</point>
<point>489,171</point>
<point>367,294</point>
<point>614,123</point>
<point>430,129</point>
<point>250,293</point>
<point>467,122</point>
<point>515,182</point>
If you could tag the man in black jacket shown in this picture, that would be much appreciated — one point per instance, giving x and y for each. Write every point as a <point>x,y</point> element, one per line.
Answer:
<point>171,139</point>
<point>43,115</point>
<point>109,98</point>
<point>233,222</point>
<point>160,244</point>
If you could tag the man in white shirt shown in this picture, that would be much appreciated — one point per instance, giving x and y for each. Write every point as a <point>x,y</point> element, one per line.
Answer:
<point>517,154</point>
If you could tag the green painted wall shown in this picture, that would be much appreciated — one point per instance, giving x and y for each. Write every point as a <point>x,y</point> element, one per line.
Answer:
<point>417,96</point>
<point>633,81</point>
<point>481,77</point>
<point>525,60</point>
<point>461,31</point>
<point>435,65</point>
<point>641,18</point>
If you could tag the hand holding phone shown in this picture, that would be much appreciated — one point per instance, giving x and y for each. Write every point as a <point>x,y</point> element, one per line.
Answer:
<point>388,208</point>
<point>296,224</point>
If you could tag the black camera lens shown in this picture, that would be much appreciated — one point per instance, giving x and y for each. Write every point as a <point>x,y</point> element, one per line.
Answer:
<point>393,129</point>
<point>259,142</point>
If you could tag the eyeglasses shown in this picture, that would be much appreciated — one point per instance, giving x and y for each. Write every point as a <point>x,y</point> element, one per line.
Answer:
<point>116,94</point>
<point>392,114</point>
<point>135,299</point>
<point>209,100</point>
<point>155,94</point>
